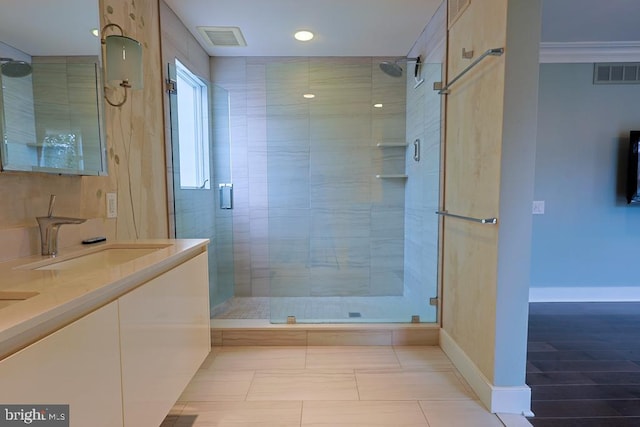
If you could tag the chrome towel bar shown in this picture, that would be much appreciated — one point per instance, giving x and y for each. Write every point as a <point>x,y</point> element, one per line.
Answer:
<point>444,90</point>
<point>468,218</point>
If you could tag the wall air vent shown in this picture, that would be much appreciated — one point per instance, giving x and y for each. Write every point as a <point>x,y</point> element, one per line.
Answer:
<point>616,73</point>
<point>223,36</point>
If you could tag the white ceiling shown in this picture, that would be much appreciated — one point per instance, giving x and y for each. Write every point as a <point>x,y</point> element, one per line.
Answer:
<point>342,27</point>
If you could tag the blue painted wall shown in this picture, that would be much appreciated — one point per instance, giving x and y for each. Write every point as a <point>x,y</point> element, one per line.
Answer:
<point>588,236</point>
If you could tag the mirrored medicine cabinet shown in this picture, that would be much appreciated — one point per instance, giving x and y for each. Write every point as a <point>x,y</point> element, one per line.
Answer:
<point>51,99</point>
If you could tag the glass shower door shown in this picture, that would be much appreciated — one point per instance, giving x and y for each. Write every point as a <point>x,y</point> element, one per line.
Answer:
<point>352,230</point>
<point>223,195</point>
<point>200,145</point>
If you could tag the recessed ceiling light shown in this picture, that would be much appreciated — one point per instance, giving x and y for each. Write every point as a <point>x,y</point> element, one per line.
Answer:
<point>309,95</point>
<point>303,35</point>
<point>377,105</point>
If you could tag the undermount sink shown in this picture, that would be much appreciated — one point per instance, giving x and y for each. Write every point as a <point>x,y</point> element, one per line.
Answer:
<point>8,298</point>
<point>105,257</point>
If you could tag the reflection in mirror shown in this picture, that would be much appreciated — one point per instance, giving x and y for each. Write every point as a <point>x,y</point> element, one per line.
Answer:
<point>50,93</point>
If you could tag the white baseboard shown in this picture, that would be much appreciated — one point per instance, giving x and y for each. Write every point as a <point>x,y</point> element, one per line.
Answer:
<point>507,400</point>
<point>513,420</point>
<point>584,294</point>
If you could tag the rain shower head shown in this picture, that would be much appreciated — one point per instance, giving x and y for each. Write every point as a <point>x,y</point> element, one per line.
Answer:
<point>12,68</point>
<point>393,69</point>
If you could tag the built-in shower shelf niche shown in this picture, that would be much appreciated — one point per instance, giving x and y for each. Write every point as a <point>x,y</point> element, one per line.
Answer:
<point>392,176</point>
<point>391,144</point>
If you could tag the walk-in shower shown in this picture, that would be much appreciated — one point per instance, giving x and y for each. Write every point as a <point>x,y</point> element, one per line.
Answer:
<point>333,220</point>
<point>14,68</point>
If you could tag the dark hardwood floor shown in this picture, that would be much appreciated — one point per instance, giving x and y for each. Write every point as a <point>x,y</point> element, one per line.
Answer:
<point>583,364</point>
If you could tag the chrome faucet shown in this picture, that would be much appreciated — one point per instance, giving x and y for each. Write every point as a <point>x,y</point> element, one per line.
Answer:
<point>49,226</point>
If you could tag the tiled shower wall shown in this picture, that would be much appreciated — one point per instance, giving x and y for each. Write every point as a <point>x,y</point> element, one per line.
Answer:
<point>310,216</point>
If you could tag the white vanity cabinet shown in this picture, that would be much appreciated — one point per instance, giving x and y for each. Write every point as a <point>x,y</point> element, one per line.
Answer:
<point>165,337</point>
<point>78,365</point>
<point>127,362</point>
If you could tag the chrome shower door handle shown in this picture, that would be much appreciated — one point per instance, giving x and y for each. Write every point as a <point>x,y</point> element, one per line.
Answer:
<point>226,196</point>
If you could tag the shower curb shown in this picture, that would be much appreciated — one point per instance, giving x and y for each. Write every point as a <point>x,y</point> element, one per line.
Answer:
<point>259,332</point>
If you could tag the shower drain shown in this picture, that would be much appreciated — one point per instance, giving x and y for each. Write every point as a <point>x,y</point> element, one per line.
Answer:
<point>354,314</point>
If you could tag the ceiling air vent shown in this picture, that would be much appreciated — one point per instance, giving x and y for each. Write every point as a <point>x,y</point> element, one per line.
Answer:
<point>223,36</point>
<point>616,73</point>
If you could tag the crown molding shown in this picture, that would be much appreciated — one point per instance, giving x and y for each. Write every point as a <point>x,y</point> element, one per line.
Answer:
<point>589,52</point>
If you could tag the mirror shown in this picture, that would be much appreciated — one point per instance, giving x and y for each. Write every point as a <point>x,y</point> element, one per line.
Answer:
<point>51,91</point>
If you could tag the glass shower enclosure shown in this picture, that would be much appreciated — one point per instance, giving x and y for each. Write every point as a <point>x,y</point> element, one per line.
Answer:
<point>202,181</point>
<point>352,231</point>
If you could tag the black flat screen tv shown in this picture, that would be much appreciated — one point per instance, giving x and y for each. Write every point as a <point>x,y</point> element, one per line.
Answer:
<point>633,178</point>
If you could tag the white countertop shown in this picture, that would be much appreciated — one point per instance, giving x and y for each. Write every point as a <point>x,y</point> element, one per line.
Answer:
<point>66,295</point>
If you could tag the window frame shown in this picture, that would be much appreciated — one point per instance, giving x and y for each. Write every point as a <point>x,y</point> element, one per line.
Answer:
<point>194,156</point>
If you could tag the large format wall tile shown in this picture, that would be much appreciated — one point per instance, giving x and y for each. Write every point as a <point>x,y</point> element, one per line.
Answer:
<point>310,165</point>
<point>341,222</point>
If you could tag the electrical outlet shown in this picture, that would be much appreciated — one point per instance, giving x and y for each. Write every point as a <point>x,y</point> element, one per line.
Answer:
<point>112,205</point>
<point>538,207</point>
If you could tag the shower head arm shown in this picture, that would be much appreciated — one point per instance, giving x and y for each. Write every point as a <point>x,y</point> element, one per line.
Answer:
<point>394,70</point>
<point>417,60</point>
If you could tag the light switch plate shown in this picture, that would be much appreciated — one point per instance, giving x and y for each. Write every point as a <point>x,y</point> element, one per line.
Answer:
<point>112,205</point>
<point>538,207</point>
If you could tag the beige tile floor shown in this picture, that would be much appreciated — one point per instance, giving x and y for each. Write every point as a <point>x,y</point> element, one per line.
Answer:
<point>372,386</point>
